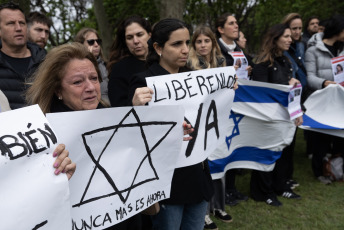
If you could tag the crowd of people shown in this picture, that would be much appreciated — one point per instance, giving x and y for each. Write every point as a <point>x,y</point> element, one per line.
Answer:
<point>77,76</point>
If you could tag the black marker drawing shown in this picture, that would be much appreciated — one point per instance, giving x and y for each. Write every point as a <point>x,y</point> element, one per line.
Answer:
<point>40,225</point>
<point>147,157</point>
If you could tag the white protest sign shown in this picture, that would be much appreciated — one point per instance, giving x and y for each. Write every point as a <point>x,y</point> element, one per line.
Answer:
<point>31,196</point>
<point>338,69</point>
<point>294,99</point>
<point>241,62</point>
<point>125,160</point>
<point>207,98</point>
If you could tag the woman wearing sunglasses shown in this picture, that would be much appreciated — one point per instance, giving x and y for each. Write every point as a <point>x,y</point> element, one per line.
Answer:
<point>90,39</point>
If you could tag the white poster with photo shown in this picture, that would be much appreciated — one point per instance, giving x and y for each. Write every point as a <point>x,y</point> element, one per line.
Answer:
<point>125,160</point>
<point>242,63</point>
<point>294,99</point>
<point>207,98</point>
<point>338,69</point>
<point>31,195</point>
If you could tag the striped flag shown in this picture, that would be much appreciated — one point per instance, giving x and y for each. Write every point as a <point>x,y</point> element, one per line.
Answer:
<point>325,111</point>
<point>260,128</point>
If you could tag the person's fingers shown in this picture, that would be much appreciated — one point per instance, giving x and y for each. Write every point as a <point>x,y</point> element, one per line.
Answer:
<point>70,169</point>
<point>61,153</point>
<point>62,166</point>
<point>187,138</point>
<point>59,149</point>
<point>142,96</point>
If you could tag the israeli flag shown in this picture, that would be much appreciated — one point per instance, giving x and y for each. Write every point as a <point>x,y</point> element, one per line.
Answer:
<point>260,127</point>
<point>325,111</point>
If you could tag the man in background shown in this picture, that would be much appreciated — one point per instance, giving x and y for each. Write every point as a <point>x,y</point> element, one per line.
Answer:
<point>18,58</point>
<point>312,27</point>
<point>38,28</point>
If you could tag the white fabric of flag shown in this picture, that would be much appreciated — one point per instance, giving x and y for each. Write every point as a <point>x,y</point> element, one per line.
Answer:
<point>325,111</point>
<point>260,127</point>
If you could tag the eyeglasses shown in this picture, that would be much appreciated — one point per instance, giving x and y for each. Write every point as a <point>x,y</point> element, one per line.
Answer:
<point>91,41</point>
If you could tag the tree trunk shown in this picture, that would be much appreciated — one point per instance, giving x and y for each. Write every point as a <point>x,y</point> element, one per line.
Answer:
<point>171,8</point>
<point>104,27</point>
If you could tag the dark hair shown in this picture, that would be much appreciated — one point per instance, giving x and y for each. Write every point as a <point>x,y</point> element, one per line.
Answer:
<point>334,26</point>
<point>119,48</point>
<point>160,35</point>
<point>39,18</point>
<point>269,49</point>
<point>310,19</point>
<point>220,22</point>
<point>323,22</point>
<point>11,6</point>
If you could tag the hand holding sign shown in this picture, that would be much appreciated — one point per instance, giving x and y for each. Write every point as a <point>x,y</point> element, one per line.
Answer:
<point>142,96</point>
<point>63,163</point>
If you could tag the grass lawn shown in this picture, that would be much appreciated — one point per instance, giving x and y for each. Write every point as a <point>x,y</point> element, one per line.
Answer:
<point>321,206</point>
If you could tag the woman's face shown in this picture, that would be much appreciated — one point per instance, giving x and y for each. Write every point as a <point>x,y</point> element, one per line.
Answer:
<point>242,40</point>
<point>283,42</point>
<point>136,38</point>
<point>230,30</point>
<point>296,29</point>
<point>80,88</point>
<point>175,52</point>
<point>203,45</point>
<point>91,42</point>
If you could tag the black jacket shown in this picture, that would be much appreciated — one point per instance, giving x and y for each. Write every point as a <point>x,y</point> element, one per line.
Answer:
<point>119,79</point>
<point>12,83</point>
<point>279,73</point>
<point>224,51</point>
<point>191,184</point>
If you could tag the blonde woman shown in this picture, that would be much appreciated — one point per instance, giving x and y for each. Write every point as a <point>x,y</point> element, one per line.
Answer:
<point>204,51</point>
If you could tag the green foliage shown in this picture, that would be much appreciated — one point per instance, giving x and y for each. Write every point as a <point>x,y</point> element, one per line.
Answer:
<point>117,10</point>
<point>255,17</point>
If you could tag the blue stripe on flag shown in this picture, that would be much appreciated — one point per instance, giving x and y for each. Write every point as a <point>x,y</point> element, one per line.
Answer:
<point>263,156</point>
<point>246,93</point>
<point>307,121</point>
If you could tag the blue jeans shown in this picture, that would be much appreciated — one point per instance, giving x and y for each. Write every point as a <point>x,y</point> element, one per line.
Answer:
<point>183,217</point>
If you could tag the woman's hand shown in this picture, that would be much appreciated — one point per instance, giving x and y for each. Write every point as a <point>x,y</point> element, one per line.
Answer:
<point>236,85</point>
<point>294,82</point>
<point>327,82</point>
<point>187,130</point>
<point>142,96</point>
<point>63,163</point>
<point>298,121</point>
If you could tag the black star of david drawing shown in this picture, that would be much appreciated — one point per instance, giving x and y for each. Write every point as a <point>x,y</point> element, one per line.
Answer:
<point>148,150</point>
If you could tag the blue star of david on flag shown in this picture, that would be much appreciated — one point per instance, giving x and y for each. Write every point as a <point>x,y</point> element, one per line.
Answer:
<point>235,132</point>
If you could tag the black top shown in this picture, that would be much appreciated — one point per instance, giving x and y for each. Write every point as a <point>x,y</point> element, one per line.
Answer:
<point>279,73</point>
<point>190,184</point>
<point>119,79</point>
<point>13,78</point>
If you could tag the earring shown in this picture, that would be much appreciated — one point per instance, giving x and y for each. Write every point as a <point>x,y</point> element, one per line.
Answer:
<point>160,55</point>
<point>60,98</point>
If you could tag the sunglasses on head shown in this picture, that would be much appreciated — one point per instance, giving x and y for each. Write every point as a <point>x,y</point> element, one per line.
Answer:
<point>91,41</point>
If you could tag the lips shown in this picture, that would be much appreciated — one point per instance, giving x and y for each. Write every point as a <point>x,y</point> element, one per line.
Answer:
<point>91,98</point>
